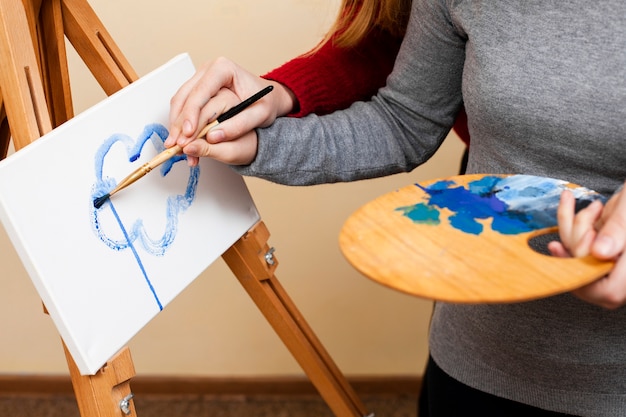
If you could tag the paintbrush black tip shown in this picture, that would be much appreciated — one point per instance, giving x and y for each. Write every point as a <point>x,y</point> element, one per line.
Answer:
<point>98,202</point>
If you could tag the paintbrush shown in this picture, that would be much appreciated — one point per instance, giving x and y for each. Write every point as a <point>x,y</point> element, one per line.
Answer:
<point>174,150</point>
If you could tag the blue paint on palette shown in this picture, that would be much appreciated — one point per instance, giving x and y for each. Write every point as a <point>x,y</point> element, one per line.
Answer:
<point>515,204</point>
<point>137,235</point>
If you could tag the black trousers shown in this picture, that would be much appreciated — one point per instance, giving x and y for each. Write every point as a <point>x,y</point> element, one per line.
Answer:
<point>444,396</point>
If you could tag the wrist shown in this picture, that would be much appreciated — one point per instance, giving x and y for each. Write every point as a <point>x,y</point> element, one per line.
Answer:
<point>286,100</point>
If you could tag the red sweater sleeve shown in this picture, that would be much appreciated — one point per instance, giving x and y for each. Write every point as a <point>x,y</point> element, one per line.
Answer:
<point>333,78</point>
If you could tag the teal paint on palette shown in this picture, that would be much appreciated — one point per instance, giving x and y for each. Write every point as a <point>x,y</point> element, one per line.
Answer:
<point>422,213</point>
<point>515,204</point>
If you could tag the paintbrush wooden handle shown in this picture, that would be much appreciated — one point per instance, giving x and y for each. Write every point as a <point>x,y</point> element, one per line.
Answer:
<point>162,157</point>
<point>206,129</point>
<point>174,150</point>
<point>134,176</point>
<point>158,160</point>
<point>147,167</point>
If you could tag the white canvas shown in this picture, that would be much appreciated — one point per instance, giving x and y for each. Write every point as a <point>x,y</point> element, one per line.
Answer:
<point>104,273</point>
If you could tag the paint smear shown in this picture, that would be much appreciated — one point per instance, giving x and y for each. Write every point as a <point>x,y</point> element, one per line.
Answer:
<point>515,204</point>
<point>136,236</point>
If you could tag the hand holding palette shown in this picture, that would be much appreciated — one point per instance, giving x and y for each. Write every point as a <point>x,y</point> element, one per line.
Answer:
<point>465,239</point>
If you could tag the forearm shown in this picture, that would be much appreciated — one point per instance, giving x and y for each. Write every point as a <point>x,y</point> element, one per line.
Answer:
<point>302,152</point>
<point>354,144</point>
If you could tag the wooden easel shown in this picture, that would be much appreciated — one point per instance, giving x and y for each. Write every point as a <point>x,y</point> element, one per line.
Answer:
<point>35,97</point>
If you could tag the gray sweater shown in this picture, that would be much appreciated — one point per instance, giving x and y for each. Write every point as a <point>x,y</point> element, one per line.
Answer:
<point>544,87</point>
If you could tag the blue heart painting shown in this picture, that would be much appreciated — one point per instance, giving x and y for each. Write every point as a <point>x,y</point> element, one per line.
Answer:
<point>136,236</point>
<point>515,204</point>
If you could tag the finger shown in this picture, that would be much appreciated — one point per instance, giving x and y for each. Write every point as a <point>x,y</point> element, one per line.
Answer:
<point>192,161</point>
<point>180,97</point>
<point>557,249</point>
<point>608,292</point>
<point>198,148</point>
<point>611,238</point>
<point>188,102</point>
<point>609,208</point>
<point>565,216</point>
<point>216,106</point>
<point>242,124</point>
<point>237,152</point>
<point>177,103</point>
<point>583,232</point>
<point>214,77</point>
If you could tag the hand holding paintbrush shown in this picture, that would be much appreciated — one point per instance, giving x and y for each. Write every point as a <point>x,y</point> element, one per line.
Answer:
<point>176,149</point>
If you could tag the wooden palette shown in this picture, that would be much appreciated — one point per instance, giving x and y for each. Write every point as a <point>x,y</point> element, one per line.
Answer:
<point>464,239</point>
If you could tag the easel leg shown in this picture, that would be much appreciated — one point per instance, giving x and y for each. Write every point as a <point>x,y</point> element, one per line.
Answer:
<point>247,259</point>
<point>107,393</point>
<point>20,79</point>
<point>54,62</point>
<point>96,47</point>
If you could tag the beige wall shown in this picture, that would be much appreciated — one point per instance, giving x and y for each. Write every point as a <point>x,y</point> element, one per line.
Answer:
<point>213,328</point>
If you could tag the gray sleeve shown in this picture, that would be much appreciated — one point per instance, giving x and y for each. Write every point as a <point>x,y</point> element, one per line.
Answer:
<point>399,129</point>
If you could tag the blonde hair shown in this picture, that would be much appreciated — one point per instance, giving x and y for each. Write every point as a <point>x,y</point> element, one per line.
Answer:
<point>357,17</point>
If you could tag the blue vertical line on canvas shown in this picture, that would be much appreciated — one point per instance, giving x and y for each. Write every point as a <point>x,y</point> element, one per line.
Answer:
<point>175,204</point>
<point>137,258</point>
<point>515,204</point>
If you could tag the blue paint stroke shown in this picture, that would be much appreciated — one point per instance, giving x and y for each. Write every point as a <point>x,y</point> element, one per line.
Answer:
<point>137,258</point>
<point>515,204</point>
<point>176,204</point>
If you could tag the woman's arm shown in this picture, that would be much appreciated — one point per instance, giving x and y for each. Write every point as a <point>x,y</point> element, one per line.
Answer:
<point>332,78</point>
<point>401,127</point>
<point>217,86</point>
